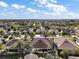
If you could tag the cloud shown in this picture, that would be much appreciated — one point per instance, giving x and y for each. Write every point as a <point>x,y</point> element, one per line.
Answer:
<point>5,14</point>
<point>31,10</point>
<point>42,2</point>
<point>54,1</point>
<point>52,6</point>
<point>48,9</point>
<point>68,15</point>
<point>16,6</point>
<point>46,13</point>
<point>58,11</point>
<point>73,15</point>
<point>3,4</point>
<point>56,8</point>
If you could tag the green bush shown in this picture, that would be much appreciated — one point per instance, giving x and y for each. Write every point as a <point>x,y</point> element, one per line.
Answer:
<point>69,53</point>
<point>1,32</point>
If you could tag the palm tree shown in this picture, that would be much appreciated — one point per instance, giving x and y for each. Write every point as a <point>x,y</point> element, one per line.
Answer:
<point>20,50</point>
<point>54,47</point>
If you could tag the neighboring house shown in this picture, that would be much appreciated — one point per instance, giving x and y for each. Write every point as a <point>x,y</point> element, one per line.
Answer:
<point>40,43</point>
<point>10,32</point>
<point>32,56</point>
<point>17,38</point>
<point>66,43</point>
<point>77,31</point>
<point>68,31</point>
<point>24,31</point>
<point>2,26</point>
<point>12,43</point>
<point>1,40</point>
<point>73,57</point>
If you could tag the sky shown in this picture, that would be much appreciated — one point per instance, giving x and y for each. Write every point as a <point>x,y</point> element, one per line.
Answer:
<point>39,9</point>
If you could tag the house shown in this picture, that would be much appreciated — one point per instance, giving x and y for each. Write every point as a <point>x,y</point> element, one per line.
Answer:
<point>32,56</point>
<point>1,40</point>
<point>2,26</point>
<point>76,31</point>
<point>40,43</point>
<point>66,43</point>
<point>12,43</point>
<point>73,57</point>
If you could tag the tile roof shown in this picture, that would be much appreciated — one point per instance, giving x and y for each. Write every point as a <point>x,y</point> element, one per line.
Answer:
<point>42,42</point>
<point>61,41</point>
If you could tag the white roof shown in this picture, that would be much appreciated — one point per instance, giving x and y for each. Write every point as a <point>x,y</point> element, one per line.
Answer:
<point>37,36</point>
<point>41,58</point>
<point>31,56</point>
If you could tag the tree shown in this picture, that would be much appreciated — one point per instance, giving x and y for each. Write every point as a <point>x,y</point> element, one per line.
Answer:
<point>1,46</point>
<point>1,32</point>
